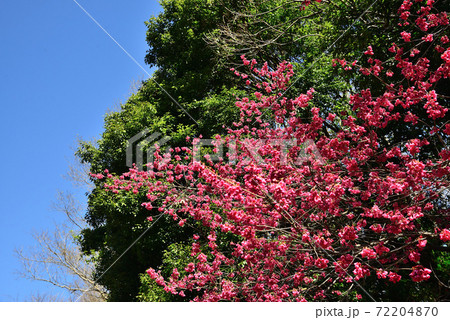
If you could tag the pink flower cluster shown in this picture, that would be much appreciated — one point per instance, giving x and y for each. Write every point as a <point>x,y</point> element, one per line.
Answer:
<point>300,230</point>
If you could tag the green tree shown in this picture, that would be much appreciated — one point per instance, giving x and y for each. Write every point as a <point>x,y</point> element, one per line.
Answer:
<point>116,221</point>
<point>186,69</point>
<point>193,43</point>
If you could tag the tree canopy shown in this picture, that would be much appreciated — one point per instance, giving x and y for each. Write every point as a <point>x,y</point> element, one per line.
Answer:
<point>193,43</point>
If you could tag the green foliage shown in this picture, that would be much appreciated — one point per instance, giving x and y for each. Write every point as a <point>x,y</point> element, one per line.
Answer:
<point>186,71</point>
<point>150,291</point>
<point>176,39</point>
<point>190,44</point>
<point>177,256</point>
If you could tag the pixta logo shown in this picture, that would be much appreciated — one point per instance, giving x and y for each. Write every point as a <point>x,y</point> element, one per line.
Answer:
<point>248,151</point>
<point>142,146</point>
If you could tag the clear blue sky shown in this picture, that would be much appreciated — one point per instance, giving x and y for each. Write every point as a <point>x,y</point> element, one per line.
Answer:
<point>59,75</point>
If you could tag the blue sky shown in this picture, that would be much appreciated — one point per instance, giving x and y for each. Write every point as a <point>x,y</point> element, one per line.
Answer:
<point>59,75</point>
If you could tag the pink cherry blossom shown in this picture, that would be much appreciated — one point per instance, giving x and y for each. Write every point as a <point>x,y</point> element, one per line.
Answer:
<point>276,225</point>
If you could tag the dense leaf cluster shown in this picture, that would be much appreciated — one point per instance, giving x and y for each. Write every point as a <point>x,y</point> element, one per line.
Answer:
<point>193,43</point>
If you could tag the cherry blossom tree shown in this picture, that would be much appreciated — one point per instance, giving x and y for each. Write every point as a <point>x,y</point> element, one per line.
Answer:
<point>308,207</point>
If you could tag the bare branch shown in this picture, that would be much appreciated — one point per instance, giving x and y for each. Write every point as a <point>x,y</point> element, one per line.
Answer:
<point>56,259</point>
